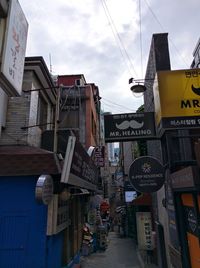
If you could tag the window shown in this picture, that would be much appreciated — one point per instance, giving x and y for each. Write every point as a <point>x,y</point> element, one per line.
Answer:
<point>42,112</point>
<point>94,128</point>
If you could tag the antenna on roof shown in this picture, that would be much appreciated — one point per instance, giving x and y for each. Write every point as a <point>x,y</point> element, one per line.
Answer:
<point>50,63</point>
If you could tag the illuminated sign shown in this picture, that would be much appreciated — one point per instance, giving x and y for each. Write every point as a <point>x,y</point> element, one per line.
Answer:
<point>177,99</point>
<point>130,196</point>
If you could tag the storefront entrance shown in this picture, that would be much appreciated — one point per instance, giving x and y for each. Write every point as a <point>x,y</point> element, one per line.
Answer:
<point>191,205</point>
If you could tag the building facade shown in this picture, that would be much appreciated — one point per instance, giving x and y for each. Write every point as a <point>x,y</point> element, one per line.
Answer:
<point>32,156</point>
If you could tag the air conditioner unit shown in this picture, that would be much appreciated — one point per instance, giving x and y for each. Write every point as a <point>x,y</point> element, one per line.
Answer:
<point>79,82</point>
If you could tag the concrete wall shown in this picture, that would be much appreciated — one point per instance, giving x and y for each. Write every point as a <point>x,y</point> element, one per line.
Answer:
<point>128,156</point>
<point>17,117</point>
<point>22,112</point>
<point>3,108</point>
<point>158,60</point>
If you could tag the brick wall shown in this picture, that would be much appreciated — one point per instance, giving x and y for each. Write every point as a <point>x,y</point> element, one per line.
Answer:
<point>17,117</point>
<point>22,112</point>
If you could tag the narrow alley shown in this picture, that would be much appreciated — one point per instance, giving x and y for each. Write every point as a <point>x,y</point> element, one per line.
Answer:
<point>121,253</point>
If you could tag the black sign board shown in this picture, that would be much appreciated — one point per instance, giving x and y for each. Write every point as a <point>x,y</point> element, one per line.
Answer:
<point>191,220</point>
<point>127,127</point>
<point>173,232</point>
<point>147,174</point>
<point>99,156</point>
<point>128,186</point>
<point>82,165</point>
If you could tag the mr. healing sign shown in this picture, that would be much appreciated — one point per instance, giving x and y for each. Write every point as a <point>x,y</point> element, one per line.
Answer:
<point>127,127</point>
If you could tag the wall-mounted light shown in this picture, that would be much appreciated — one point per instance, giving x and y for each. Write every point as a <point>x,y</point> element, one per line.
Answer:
<point>138,86</point>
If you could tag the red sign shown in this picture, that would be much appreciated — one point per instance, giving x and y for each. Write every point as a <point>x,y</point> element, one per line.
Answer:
<point>104,206</point>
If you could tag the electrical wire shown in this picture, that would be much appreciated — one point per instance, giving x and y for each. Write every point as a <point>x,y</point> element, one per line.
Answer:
<point>121,106</point>
<point>155,17</point>
<point>118,38</point>
<point>116,109</point>
<point>141,52</point>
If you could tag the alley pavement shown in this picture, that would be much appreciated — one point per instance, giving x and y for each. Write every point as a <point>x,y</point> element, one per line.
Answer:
<point>120,253</point>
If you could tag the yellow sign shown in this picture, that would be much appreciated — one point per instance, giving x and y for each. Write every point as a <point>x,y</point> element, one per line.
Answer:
<point>177,95</point>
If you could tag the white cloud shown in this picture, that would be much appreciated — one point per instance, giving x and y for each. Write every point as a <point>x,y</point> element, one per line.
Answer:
<point>80,39</point>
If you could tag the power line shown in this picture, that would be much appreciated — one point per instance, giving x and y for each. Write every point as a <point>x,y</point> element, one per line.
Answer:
<point>117,109</point>
<point>117,37</point>
<point>118,104</point>
<point>141,53</point>
<point>155,17</point>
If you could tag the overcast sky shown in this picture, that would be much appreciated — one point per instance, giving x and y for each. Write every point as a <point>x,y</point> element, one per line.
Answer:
<point>109,40</point>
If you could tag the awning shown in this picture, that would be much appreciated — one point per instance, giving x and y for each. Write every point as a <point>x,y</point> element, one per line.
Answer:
<point>78,191</point>
<point>143,200</point>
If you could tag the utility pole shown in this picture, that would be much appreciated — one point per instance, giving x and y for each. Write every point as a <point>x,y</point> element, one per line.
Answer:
<point>57,113</point>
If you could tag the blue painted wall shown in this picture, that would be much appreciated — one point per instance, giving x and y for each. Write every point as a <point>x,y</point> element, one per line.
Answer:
<point>23,240</point>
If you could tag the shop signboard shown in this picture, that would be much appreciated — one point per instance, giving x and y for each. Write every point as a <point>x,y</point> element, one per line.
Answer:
<point>119,179</point>
<point>68,159</point>
<point>83,172</point>
<point>185,178</point>
<point>179,90</point>
<point>147,174</point>
<point>173,232</point>
<point>104,206</point>
<point>12,65</point>
<point>58,215</point>
<point>128,186</point>
<point>130,196</point>
<point>128,127</point>
<point>190,214</point>
<point>99,156</point>
<point>130,193</point>
<point>144,231</point>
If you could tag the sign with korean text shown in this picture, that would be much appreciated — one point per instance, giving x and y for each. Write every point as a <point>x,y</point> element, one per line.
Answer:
<point>170,206</point>
<point>104,206</point>
<point>83,172</point>
<point>127,127</point>
<point>144,230</point>
<point>147,174</point>
<point>12,67</point>
<point>58,215</point>
<point>177,99</point>
<point>99,156</point>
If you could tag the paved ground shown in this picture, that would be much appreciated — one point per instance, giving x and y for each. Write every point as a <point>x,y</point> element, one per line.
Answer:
<point>121,253</point>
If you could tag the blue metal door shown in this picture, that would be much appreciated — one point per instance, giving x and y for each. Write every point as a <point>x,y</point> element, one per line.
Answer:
<point>13,241</point>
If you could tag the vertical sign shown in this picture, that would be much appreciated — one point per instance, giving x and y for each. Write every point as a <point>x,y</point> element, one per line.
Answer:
<point>99,156</point>
<point>173,232</point>
<point>14,49</point>
<point>144,230</point>
<point>68,159</point>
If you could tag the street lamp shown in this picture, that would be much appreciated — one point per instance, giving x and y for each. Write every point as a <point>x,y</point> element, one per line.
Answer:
<point>139,87</point>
